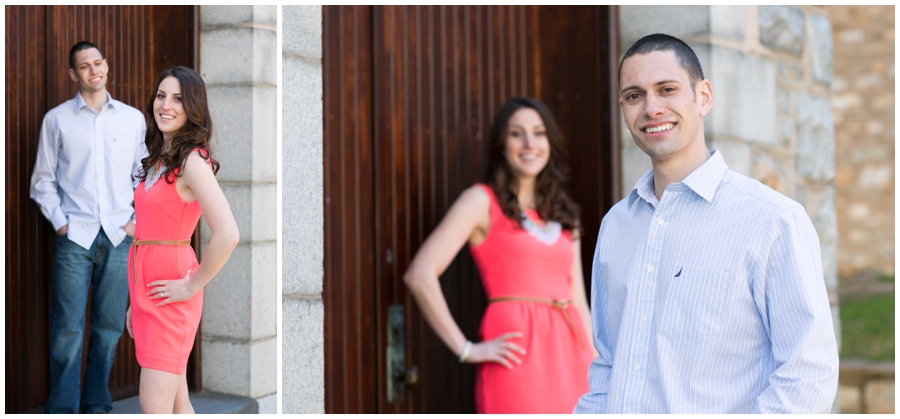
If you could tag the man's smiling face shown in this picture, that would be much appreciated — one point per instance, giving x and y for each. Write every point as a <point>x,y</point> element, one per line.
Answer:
<point>662,109</point>
<point>90,70</point>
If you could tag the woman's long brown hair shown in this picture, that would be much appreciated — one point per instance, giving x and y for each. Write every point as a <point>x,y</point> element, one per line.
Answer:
<point>551,200</point>
<point>196,132</point>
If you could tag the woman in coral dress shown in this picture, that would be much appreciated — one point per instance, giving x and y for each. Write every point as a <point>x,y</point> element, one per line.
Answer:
<point>165,282</point>
<point>535,346</point>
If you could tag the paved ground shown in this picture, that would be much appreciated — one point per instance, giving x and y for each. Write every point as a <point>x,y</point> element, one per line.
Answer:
<point>204,402</point>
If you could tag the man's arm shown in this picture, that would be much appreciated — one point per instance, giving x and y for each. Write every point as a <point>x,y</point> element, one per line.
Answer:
<point>44,186</point>
<point>601,367</point>
<point>793,303</point>
<point>139,153</point>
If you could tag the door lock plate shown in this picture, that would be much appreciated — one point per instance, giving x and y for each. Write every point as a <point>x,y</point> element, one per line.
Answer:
<point>396,368</point>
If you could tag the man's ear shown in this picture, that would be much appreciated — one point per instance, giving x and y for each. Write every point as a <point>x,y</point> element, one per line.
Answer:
<point>705,96</point>
<point>72,75</point>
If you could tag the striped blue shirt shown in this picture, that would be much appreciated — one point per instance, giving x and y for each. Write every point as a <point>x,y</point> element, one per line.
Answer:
<point>86,168</point>
<point>710,300</point>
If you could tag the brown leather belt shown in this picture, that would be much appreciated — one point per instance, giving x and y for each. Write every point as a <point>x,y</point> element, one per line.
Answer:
<point>135,242</point>
<point>560,305</point>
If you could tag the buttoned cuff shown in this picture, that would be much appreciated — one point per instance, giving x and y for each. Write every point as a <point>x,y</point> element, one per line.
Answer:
<point>59,220</point>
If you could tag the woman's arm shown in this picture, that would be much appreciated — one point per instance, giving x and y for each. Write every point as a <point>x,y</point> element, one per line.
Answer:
<point>579,296</point>
<point>467,220</point>
<point>197,181</point>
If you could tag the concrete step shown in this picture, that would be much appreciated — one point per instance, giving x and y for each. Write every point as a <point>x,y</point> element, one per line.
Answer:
<point>204,402</point>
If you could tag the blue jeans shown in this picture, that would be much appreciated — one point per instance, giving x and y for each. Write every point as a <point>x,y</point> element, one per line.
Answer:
<point>75,269</point>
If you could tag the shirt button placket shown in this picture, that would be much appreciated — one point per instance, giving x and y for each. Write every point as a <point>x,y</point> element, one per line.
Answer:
<point>99,148</point>
<point>644,330</point>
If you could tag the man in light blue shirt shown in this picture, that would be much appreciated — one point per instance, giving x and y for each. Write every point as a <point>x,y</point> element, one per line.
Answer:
<point>708,293</point>
<point>89,151</point>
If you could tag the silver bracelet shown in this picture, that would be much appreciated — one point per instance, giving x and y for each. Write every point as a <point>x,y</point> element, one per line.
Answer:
<point>465,351</point>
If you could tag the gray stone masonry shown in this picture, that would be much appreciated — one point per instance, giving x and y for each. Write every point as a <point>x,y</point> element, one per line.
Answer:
<point>815,137</point>
<point>303,359</point>
<point>744,90</point>
<point>820,48</point>
<point>770,68</point>
<point>781,29</point>
<point>238,52</point>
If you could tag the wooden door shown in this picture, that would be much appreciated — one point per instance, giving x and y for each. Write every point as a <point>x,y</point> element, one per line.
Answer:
<point>409,96</point>
<point>138,42</point>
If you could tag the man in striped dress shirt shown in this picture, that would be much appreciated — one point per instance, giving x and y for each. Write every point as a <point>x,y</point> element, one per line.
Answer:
<point>708,293</point>
<point>89,148</point>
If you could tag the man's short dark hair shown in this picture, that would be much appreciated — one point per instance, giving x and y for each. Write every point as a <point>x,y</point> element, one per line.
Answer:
<point>83,45</point>
<point>663,42</point>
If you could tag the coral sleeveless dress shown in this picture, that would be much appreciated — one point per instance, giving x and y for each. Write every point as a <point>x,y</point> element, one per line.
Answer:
<point>523,272</point>
<point>163,336</point>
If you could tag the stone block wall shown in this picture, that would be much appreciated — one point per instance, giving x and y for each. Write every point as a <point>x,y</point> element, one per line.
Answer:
<point>862,96</point>
<point>303,360</point>
<point>238,47</point>
<point>867,387</point>
<point>771,74</point>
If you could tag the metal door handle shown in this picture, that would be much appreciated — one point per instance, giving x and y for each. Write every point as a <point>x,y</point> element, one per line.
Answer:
<point>398,377</point>
<point>412,377</point>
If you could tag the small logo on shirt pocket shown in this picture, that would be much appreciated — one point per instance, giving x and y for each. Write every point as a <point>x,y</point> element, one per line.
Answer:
<point>693,302</point>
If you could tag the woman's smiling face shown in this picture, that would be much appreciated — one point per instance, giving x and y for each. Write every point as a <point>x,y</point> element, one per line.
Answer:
<point>168,110</point>
<point>527,145</point>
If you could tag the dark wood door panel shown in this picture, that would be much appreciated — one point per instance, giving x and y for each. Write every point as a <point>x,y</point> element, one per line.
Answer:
<point>350,333</point>
<point>578,69</point>
<point>139,42</point>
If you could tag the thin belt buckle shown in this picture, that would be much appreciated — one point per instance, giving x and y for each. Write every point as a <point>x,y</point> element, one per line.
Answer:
<point>135,242</point>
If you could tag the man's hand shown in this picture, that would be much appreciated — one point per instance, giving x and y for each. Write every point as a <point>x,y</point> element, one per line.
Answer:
<point>63,230</point>
<point>129,228</point>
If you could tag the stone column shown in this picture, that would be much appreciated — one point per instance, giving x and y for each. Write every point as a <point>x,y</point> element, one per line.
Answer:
<point>303,357</point>
<point>771,69</point>
<point>237,61</point>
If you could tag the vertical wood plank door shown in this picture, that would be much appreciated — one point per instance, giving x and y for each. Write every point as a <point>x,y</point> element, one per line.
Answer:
<point>410,93</point>
<point>138,42</point>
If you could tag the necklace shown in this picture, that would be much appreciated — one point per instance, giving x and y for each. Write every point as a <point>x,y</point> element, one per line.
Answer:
<point>153,176</point>
<point>539,223</point>
<point>154,171</point>
<point>546,232</point>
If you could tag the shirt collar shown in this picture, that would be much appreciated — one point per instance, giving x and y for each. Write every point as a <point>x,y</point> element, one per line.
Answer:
<point>704,180</point>
<point>642,189</point>
<point>79,101</point>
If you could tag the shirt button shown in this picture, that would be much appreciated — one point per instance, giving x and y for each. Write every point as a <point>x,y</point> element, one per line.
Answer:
<point>644,318</point>
<point>649,269</point>
<point>659,220</point>
<point>637,367</point>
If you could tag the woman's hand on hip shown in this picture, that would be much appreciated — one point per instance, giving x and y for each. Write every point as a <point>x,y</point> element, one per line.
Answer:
<point>173,291</point>
<point>499,350</point>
